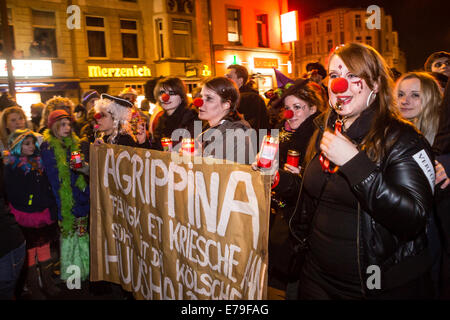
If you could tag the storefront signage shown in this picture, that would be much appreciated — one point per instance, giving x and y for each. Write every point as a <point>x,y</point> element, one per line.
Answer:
<point>28,68</point>
<point>265,63</point>
<point>100,72</point>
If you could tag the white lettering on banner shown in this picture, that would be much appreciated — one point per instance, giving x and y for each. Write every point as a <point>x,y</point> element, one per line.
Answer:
<point>210,209</point>
<point>231,205</point>
<point>186,249</point>
<point>427,167</point>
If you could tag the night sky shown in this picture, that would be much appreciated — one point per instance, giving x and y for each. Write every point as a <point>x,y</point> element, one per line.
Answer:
<point>423,26</point>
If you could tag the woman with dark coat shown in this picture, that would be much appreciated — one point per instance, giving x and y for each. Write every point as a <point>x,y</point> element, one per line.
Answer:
<point>366,193</point>
<point>302,104</point>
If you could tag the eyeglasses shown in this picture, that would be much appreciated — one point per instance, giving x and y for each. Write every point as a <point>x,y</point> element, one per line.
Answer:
<point>170,92</point>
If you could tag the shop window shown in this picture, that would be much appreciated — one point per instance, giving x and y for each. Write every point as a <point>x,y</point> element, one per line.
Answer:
<point>234,26</point>
<point>128,30</point>
<point>263,36</point>
<point>95,27</point>
<point>308,31</point>
<point>308,49</point>
<point>44,34</point>
<point>329,45</point>
<point>329,28</point>
<point>358,21</point>
<point>160,38</point>
<point>182,42</point>
<point>11,32</point>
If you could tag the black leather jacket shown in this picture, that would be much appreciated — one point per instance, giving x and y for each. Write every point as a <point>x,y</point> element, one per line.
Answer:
<point>395,199</point>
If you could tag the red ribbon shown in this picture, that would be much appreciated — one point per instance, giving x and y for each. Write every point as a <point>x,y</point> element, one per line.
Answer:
<point>324,162</point>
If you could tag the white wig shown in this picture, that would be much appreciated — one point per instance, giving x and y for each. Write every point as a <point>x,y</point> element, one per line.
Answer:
<point>121,116</point>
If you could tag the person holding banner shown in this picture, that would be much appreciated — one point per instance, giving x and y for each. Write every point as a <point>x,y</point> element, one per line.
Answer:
<point>171,96</point>
<point>366,193</point>
<point>71,192</point>
<point>220,96</point>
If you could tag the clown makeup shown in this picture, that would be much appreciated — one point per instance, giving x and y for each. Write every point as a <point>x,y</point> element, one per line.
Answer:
<point>172,103</point>
<point>300,108</point>
<point>105,123</point>
<point>354,100</point>
<point>28,146</point>
<point>213,109</point>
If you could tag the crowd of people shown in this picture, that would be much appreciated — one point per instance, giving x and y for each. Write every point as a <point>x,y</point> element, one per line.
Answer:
<point>370,188</point>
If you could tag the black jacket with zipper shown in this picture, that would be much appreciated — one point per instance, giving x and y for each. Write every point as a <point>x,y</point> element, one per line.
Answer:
<point>395,200</point>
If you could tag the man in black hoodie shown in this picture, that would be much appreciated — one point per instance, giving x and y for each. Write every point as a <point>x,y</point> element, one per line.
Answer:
<point>251,105</point>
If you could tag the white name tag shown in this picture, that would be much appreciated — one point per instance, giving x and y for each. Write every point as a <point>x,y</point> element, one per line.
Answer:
<point>427,167</point>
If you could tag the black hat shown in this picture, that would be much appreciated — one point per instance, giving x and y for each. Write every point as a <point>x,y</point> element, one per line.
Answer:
<point>120,101</point>
<point>317,66</point>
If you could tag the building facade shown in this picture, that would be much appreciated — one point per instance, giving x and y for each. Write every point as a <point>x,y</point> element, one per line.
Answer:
<point>67,47</point>
<point>320,34</point>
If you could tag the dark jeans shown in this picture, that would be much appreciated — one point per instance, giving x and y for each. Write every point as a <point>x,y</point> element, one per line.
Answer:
<point>10,267</point>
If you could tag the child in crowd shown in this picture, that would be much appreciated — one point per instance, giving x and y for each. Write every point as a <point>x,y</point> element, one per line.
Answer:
<point>70,190</point>
<point>33,205</point>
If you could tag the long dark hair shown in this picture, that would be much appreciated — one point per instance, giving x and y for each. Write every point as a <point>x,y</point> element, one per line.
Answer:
<point>174,84</point>
<point>228,92</point>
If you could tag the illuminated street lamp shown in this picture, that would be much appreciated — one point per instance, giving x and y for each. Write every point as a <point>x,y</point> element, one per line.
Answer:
<point>289,32</point>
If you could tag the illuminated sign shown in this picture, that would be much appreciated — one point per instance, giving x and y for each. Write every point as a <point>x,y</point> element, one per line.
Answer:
<point>289,27</point>
<point>99,72</point>
<point>27,68</point>
<point>265,63</point>
<point>206,72</point>
<point>191,73</point>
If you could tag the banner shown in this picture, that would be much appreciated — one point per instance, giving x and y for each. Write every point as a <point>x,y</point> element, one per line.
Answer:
<point>166,229</point>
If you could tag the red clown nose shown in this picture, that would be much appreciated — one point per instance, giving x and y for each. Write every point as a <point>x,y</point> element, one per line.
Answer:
<point>165,97</point>
<point>98,116</point>
<point>339,85</point>
<point>288,114</point>
<point>198,102</point>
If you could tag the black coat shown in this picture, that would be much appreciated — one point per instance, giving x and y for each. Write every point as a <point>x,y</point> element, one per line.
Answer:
<point>253,107</point>
<point>395,200</point>
<point>182,118</point>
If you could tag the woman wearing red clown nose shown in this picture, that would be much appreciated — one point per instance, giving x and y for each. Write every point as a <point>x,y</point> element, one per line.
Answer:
<point>366,194</point>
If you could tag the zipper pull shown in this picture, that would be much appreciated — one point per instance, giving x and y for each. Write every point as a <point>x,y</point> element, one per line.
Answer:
<point>30,201</point>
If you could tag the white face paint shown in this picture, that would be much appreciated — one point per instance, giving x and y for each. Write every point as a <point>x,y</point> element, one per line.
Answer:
<point>354,99</point>
<point>213,109</point>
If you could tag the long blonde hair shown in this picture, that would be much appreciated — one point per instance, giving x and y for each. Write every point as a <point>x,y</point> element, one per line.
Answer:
<point>430,96</point>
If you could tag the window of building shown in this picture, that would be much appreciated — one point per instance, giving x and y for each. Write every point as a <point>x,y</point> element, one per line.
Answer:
<point>358,39</point>
<point>329,29</point>
<point>160,38</point>
<point>11,31</point>
<point>262,28</point>
<point>44,34</point>
<point>308,29</point>
<point>128,30</point>
<point>182,38</point>
<point>95,27</point>
<point>100,88</point>
<point>308,49</point>
<point>234,26</point>
<point>358,21</point>
<point>369,40</point>
<point>329,45</point>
